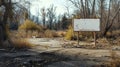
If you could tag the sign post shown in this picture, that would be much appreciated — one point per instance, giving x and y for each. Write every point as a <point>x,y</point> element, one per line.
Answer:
<point>95,38</point>
<point>78,38</point>
<point>87,25</point>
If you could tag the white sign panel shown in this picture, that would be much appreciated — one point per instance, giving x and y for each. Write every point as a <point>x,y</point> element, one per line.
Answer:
<point>86,25</point>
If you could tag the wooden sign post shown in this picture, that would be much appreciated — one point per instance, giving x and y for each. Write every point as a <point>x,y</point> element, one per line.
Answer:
<point>78,37</point>
<point>95,39</point>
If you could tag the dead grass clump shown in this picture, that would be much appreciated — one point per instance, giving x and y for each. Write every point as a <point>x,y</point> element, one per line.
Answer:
<point>30,25</point>
<point>29,29</point>
<point>21,43</point>
<point>50,34</point>
<point>21,34</point>
<point>29,34</point>
<point>40,35</point>
<point>61,33</point>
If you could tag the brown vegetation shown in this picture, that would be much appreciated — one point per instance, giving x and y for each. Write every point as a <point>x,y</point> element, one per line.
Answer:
<point>50,34</point>
<point>21,43</point>
<point>29,25</point>
<point>115,60</point>
<point>69,33</point>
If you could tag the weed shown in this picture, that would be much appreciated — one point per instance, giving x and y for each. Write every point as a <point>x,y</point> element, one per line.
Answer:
<point>21,43</point>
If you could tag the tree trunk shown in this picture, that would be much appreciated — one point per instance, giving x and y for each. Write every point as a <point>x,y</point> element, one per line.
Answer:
<point>110,24</point>
<point>83,9</point>
<point>50,25</point>
<point>93,9</point>
<point>3,34</point>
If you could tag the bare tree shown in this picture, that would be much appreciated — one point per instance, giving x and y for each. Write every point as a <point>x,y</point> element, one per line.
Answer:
<point>93,8</point>
<point>68,11</point>
<point>43,16</point>
<point>7,14</point>
<point>51,15</point>
<point>107,13</point>
<point>86,7</point>
<point>108,16</point>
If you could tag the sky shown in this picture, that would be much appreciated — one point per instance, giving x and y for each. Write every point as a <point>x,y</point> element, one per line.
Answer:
<point>59,4</point>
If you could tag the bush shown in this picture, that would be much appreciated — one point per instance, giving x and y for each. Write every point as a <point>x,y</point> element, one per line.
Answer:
<point>61,33</point>
<point>113,34</point>
<point>50,33</point>
<point>21,43</point>
<point>29,25</point>
<point>69,33</point>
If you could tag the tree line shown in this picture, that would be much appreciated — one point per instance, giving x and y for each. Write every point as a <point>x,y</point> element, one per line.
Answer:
<point>108,11</point>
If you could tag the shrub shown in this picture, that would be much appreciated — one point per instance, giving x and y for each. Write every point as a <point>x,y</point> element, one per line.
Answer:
<point>50,33</point>
<point>29,25</point>
<point>61,33</point>
<point>69,33</point>
<point>113,34</point>
<point>21,43</point>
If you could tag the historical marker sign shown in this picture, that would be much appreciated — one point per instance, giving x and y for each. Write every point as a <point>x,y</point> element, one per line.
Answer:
<point>86,25</point>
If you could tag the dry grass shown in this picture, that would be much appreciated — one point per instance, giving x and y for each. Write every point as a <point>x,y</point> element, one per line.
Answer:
<point>29,29</point>
<point>37,34</point>
<point>115,34</point>
<point>50,34</point>
<point>103,40</point>
<point>21,43</point>
<point>29,25</point>
<point>18,41</point>
<point>115,60</point>
<point>71,35</point>
<point>61,33</point>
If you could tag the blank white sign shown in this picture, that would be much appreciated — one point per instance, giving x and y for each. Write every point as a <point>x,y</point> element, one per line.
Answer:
<point>86,25</point>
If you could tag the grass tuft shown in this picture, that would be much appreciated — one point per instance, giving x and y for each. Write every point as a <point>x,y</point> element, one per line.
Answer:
<point>30,25</point>
<point>50,34</point>
<point>21,43</point>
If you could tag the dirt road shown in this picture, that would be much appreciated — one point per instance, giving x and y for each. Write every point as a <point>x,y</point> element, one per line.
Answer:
<point>79,57</point>
<point>51,53</point>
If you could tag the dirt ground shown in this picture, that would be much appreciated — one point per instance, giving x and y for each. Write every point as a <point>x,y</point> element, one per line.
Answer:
<point>57,52</point>
<point>82,55</point>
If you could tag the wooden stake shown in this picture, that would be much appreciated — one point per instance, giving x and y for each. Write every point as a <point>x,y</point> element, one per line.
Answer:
<point>78,38</point>
<point>95,39</point>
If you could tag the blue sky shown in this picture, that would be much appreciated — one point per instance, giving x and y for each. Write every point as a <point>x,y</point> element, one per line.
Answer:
<point>60,4</point>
